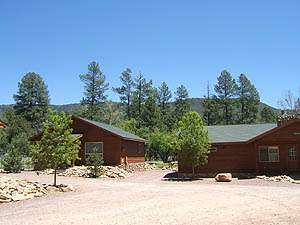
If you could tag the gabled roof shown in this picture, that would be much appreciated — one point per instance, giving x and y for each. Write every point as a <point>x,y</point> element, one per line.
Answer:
<point>114,130</point>
<point>237,133</point>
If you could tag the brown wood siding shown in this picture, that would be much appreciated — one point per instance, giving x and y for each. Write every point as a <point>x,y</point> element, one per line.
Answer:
<point>91,133</point>
<point>244,157</point>
<point>284,138</point>
<point>227,158</point>
<point>135,151</point>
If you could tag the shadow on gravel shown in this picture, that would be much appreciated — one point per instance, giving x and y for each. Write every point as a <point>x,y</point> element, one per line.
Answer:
<point>173,176</point>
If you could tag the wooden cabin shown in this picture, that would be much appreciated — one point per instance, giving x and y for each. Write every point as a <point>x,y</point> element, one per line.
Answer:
<point>115,145</point>
<point>256,148</point>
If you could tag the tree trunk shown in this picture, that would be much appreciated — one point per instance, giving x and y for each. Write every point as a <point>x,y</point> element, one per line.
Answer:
<point>55,177</point>
<point>193,170</point>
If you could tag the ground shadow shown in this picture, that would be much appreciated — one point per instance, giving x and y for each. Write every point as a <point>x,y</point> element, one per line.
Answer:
<point>174,176</point>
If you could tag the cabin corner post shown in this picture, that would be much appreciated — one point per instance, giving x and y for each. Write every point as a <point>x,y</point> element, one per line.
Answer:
<point>256,157</point>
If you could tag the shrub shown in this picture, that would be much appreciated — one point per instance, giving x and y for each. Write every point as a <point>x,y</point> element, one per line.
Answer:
<point>12,160</point>
<point>95,162</point>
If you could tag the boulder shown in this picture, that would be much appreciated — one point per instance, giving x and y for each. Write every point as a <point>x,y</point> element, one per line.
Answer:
<point>223,177</point>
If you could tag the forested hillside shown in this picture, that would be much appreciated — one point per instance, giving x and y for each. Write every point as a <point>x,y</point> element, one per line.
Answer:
<point>196,105</point>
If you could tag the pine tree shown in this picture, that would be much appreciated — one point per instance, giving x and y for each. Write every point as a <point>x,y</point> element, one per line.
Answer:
<point>210,108</point>
<point>182,105</point>
<point>226,91</point>
<point>142,89</point>
<point>151,115</point>
<point>95,86</point>
<point>248,99</point>
<point>126,90</point>
<point>267,115</point>
<point>32,99</point>
<point>164,97</point>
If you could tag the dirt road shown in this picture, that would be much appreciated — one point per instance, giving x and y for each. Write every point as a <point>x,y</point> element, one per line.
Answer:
<point>145,199</point>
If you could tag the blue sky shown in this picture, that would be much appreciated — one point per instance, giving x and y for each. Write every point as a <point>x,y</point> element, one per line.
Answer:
<point>180,42</point>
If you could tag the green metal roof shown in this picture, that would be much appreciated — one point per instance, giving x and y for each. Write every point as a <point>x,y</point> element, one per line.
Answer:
<point>237,133</point>
<point>119,132</point>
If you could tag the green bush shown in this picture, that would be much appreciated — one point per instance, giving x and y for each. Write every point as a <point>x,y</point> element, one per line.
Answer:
<point>12,160</point>
<point>95,162</point>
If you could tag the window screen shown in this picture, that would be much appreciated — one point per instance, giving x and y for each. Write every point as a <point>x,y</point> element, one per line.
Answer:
<point>292,154</point>
<point>93,147</point>
<point>273,154</point>
<point>263,154</point>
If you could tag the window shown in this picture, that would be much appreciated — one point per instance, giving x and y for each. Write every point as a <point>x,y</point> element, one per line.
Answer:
<point>292,154</point>
<point>213,149</point>
<point>93,147</point>
<point>269,154</point>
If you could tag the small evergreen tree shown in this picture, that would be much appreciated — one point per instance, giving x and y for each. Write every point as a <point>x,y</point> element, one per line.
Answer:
<point>12,160</point>
<point>192,144</point>
<point>95,86</point>
<point>57,146</point>
<point>95,162</point>
<point>32,99</point>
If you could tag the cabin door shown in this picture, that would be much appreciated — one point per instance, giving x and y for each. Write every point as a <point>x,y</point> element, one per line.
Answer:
<point>293,158</point>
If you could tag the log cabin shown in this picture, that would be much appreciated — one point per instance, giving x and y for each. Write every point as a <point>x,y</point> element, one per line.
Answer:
<point>116,146</point>
<point>255,148</point>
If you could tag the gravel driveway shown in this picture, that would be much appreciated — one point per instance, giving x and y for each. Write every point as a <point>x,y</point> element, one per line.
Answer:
<point>145,198</point>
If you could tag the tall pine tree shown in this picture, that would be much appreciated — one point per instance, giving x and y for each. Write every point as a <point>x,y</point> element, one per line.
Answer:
<point>95,86</point>
<point>248,99</point>
<point>182,104</point>
<point>226,92</point>
<point>210,108</point>
<point>126,90</point>
<point>164,98</point>
<point>142,89</point>
<point>32,99</point>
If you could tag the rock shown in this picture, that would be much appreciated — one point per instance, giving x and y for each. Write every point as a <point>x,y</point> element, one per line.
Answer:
<point>20,197</point>
<point>18,190</point>
<point>223,177</point>
<point>107,171</point>
<point>281,178</point>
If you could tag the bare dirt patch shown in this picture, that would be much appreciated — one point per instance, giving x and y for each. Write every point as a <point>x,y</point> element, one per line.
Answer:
<point>144,198</point>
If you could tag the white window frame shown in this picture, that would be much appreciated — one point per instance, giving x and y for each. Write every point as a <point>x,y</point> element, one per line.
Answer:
<point>93,142</point>
<point>269,148</point>
<point>292,154</point>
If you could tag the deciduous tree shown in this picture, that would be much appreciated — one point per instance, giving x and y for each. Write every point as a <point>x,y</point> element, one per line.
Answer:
<point>57,146</point>
<point>192,144</point>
